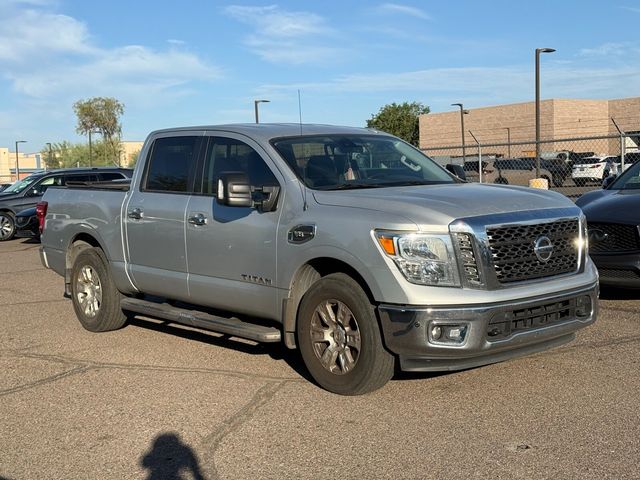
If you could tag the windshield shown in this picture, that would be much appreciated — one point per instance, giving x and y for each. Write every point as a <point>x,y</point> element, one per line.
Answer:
<point>339,162</point>
<point>629,180</point>
<point>20,185</point>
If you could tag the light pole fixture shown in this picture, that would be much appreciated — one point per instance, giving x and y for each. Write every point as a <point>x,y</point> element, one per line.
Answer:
<point>90,151</point>
<point>463,112</point>
<point>17,162</point>
<point>538,52</point>
<point>255,105</point>
<point>50,156</point>
<point>508,129</point>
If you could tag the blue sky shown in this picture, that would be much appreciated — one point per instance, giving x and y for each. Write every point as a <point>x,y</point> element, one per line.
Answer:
<point>204,62</point>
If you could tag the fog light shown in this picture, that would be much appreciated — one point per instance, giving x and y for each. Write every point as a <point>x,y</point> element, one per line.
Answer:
<point>436,332</point>
<point>583,306</point>
<point>455,333</point>
<point>448,334</point>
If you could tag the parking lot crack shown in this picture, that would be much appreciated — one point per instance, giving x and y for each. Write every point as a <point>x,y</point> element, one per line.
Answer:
<point>44,381</point>
<point>212,442</point>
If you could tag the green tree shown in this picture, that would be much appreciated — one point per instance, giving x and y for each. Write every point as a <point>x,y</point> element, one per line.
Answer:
<point>400,120</point>
<point>66,154</point>
<point>101,114</point>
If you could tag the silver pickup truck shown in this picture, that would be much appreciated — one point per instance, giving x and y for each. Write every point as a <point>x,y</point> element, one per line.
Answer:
<point>346,243</point>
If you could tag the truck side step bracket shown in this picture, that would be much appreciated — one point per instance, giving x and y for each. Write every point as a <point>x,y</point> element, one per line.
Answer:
<point>229,326</point>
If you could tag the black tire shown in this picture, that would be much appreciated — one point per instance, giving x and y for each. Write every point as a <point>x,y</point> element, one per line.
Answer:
<point>7,226</point>
<point>358,367</point>
<point>557,181</point>
<point>96,300</point>
<point>501,181</point>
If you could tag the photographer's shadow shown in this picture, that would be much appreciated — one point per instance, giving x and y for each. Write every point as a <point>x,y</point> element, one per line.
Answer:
<point>170,459</point>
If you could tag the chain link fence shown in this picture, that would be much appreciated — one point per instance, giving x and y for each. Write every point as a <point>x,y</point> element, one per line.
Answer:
<point>572,166</point>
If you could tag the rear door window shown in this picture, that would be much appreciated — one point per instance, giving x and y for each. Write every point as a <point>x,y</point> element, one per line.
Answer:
<point>172,164</point>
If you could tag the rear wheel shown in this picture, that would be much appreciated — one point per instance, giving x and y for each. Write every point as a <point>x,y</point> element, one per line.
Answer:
<point>501,180</point>
<point>339,337</point>
<point>7,226</point>
<point>557,181</point>
<point>96,300</point>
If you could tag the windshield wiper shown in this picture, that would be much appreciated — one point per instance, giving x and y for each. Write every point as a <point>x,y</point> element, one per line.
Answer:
<point>401,183</point>
<point>354,185</point>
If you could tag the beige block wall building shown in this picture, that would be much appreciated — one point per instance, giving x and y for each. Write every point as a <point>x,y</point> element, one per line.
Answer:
<point>559,119</point>
<point>27,162</point>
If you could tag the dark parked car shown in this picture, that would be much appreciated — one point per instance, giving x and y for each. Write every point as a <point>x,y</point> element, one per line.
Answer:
<point>27,192</point>
<point>4,186</point>
<point>27,225</point>
<point>614,228</point>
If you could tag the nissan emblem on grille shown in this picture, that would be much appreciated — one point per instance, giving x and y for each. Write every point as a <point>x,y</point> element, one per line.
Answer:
<point>543,248</point>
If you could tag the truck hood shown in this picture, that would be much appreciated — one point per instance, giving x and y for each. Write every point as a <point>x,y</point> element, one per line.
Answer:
<point>441,204</point>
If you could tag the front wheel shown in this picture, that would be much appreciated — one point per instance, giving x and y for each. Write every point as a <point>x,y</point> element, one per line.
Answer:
<point>96,300</point>
<point>339,337</point>
<point>7,226</point>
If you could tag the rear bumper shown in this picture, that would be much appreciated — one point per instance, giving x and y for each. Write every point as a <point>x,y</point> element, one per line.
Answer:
<point>618,270</point>
<point>494,332</point>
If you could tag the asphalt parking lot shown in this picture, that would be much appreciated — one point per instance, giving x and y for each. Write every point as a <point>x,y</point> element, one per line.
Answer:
<point>161,401</point>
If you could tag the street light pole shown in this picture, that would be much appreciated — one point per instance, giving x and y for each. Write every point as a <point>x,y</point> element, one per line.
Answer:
<point>50,156</point>
<point>538,52</point>
<point>508,141</point>
<point>90,148</point>
<point>255,106</point>
<point>463,112</point>
<point>17,162</point>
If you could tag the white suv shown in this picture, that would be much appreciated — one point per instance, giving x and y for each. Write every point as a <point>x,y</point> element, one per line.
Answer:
<point>594,169</point>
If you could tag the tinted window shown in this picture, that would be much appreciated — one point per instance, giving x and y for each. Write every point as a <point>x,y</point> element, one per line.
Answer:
<point>172,164</point>
<point>83,177</point>
<point>229,155</point>
<point>108,176</point>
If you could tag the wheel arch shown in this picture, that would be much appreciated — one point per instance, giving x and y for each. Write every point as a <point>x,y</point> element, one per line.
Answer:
<point>78,243</point>
<point>304,277</point>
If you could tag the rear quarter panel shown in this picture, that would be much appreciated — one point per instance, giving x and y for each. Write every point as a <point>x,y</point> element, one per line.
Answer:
<point>74,212</point>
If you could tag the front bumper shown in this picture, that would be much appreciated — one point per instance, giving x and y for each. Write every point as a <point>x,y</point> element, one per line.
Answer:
<point>620,270</point>
<point>494,332</point>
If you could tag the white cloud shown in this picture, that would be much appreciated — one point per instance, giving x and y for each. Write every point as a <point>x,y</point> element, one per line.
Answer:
<point>282,36</point>
<point>47,55</point>
<point>631,9</point>
<point>274,22</point>
<point>480,86</point>
<point>404,10</point>
<point>28,35</point>
<point>608,49</point>
<point>123,72</point>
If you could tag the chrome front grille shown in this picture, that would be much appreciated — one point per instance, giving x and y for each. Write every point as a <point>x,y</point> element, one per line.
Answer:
<point>470,268</point>
<point>513,255</point>
<point>613,237</point>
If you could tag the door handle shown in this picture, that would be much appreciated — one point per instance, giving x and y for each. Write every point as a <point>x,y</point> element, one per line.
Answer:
<point>135,213</point>
<point>197,220</point>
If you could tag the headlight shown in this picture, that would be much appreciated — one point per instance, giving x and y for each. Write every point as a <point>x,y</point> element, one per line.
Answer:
<point>422,259</point>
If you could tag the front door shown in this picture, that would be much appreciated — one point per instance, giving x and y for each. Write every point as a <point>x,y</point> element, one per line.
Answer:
<point>232,250</point>
<point>155,216</point>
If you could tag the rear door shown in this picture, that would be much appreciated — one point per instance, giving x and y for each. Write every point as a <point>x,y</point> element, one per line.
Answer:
<point>155,215</point>
<point>232,250</point>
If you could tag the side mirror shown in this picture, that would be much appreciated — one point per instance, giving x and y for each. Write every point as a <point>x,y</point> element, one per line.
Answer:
<point>609,180</point>
<point>34,192</point>
<point>457,170</point>
<point>234,190</point>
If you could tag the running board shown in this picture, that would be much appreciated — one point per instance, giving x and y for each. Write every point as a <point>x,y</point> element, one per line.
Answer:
<point>194,318</point>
